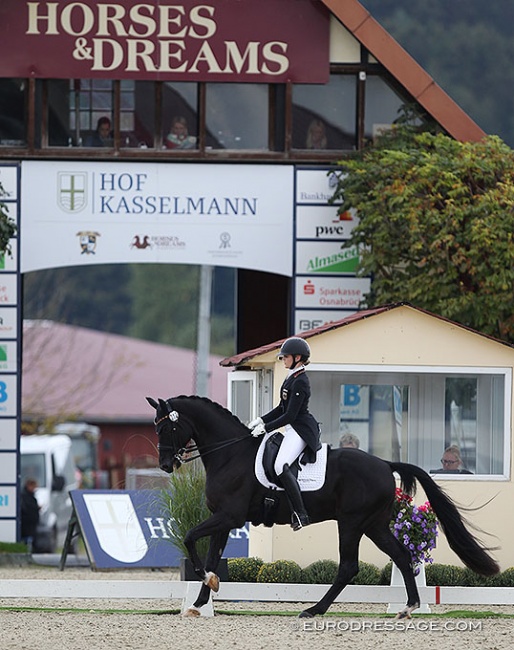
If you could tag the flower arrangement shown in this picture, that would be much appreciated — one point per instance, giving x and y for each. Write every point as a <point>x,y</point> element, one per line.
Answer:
<point>416,527</point>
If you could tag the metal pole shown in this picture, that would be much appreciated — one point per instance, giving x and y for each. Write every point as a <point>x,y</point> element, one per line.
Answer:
<point>204,332</point>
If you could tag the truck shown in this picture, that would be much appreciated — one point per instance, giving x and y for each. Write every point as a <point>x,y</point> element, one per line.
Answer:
<point>48,459</point>
<point>85,438</point>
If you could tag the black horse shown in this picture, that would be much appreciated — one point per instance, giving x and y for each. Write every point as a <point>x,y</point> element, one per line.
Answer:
<point>358,492</point>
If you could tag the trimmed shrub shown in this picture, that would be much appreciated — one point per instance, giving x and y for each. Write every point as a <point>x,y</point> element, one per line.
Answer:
<point>243,569</point>
<point>320,572</point>
<point>369,574</point>
<point>280,571</point>
<point>472,579</point>
<point>443,575</point>
<point>506,578</point>
<point>385,574</point>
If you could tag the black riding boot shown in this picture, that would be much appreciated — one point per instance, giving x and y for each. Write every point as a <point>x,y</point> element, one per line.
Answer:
<point>299,517</point>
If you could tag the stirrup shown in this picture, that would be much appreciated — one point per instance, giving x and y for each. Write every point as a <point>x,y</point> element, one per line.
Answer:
<point>299,521</point>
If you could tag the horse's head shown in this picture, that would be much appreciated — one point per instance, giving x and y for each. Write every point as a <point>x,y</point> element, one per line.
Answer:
<point>174,431</point>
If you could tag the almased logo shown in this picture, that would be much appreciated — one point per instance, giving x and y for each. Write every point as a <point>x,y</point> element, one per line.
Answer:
<point>345,261</point>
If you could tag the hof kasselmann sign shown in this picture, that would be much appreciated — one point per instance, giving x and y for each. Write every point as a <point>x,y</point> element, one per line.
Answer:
<point>221,40</point>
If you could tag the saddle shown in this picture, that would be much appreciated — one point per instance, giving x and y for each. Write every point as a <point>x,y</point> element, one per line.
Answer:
<point>310,477</point>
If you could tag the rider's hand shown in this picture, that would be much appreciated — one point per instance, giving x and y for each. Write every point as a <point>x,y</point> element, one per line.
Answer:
<point>259,430</point>
<point>254,423</point>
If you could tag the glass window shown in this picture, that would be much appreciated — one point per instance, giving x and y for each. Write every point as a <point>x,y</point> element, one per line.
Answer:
<point>237,116</point>
<point>324,117</point>
<point>12,112</point>
<point>180,115</point>
<point>382,106</point>
<point>137,113</point>
<point>414,417</point>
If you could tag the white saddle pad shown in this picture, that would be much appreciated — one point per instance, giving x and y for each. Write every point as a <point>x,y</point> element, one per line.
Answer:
<point>310,477</point>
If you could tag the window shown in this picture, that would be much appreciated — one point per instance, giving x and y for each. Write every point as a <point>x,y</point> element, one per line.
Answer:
<point>180,116</point>
<point>12,112</point>
<point>414,415</point>
<point>236,116</point>
<point>382,106</point>
<point>324,117</point>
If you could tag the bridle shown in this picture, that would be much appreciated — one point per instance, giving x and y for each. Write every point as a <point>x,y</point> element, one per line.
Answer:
<point>192,451</point>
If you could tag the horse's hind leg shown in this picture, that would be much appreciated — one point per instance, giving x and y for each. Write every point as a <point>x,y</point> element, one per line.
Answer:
<point>387,542</point>
<point>350,533</point>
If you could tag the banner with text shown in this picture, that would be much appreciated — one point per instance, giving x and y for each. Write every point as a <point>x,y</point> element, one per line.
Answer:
<point>80,213</point>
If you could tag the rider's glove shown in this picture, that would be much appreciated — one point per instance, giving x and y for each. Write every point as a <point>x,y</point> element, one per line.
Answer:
<point>259,430</point>
<point>254,423</point>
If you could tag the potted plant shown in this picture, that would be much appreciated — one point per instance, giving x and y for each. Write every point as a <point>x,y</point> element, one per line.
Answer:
<point>416,527</point>
<point>185,507</point>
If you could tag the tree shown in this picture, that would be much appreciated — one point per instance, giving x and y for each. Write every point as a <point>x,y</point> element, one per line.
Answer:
<point>7,225</point>
<point>436,225</point>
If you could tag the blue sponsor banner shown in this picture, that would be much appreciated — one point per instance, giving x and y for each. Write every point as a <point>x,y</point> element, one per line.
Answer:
<point>129,529</point>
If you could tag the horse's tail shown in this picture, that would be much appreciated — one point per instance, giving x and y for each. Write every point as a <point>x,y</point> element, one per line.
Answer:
<point>461,541</point>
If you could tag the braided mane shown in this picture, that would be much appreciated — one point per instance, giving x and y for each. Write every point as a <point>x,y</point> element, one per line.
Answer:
<point>207,400</point>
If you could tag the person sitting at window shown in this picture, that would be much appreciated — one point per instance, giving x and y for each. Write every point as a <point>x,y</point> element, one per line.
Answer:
<point>178,137</point>
<point>451,462</point>
<point>349,440</point>
<point>316,135</point>
<point>102,136</point>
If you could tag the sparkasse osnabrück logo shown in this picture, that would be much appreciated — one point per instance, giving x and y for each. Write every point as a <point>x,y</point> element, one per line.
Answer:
<point>72,191</point>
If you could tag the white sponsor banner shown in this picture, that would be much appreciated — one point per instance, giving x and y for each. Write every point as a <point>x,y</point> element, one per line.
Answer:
<point>332,292</point>
<point>8,395</point>
<point>8,434</point>
<point>8,470</point>
<point>308,319</point>
<point>8,356</point>
<point>8,322</point>
<point>8,289</point>
<point>9,261</point>
<point>328,258</point>
<point>8,497</point>
<point>79,213</point>
<point>322,222</point>
<point>8,530</point>
<point>315,186</point>
<point>9,182</point>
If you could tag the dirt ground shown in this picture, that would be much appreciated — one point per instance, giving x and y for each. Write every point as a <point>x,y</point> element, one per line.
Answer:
<point>91,624</point>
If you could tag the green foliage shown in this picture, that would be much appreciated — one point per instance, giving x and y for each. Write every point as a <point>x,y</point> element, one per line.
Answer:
<point>283,571</point>
<point>369,574</point>
<point>185,506</point>
<point>7,225</point>
<point>244,569</point>
<point>385,574</point>
<point>472,579</point>
<point>506,578</point>
<point>13,547</point>
<point>443,575</point>
<point>320,572</point>
<point>436,225</point>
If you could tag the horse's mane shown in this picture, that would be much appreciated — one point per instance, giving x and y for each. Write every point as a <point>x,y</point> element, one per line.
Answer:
<point>216,405</point>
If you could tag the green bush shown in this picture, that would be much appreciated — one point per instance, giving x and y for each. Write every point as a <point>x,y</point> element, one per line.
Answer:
<point>443,575</point>
<point>280,571</point>
<point>472,579</point>
<point>369,574</point>
<point>243,569</point>
<point>506,578</point>
<point>320,572</point>
<point>13,547</point>
<point>385,574</point>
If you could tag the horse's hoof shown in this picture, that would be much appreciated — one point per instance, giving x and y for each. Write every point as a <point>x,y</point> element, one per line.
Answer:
<point>192,612</point>
<point>305,614</point>
<point>212,581</point>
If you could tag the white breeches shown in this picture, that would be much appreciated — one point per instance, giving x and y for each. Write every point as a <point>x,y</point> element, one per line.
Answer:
<point>291,447</point>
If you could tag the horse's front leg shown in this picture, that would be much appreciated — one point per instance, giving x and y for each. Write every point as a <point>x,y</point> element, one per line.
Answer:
<point>218,530</point>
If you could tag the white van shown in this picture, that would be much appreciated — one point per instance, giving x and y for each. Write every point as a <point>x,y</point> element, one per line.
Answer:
<point>48,460</point>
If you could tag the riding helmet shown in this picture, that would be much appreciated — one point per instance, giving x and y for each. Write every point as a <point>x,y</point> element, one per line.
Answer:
<point>295,345</point>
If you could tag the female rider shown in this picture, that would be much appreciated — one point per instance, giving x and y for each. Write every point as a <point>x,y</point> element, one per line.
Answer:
<point>301,430</point>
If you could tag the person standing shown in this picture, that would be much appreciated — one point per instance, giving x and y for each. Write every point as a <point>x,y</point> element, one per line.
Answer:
<point>301,430</point>
<point>29,513</point>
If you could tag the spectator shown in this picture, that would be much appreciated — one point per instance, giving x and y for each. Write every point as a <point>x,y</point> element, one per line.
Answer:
<point>29,514</point>
<point>316,135</point>
<point>102,137</point>
<point>349,440</point>
<point>452,462</point>
<point>178,137</point>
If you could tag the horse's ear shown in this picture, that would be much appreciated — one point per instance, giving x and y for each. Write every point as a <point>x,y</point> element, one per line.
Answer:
<point>152,402</point>
<point>162,404</point>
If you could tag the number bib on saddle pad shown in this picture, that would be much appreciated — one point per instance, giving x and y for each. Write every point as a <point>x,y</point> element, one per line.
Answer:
<point>310,477</point>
